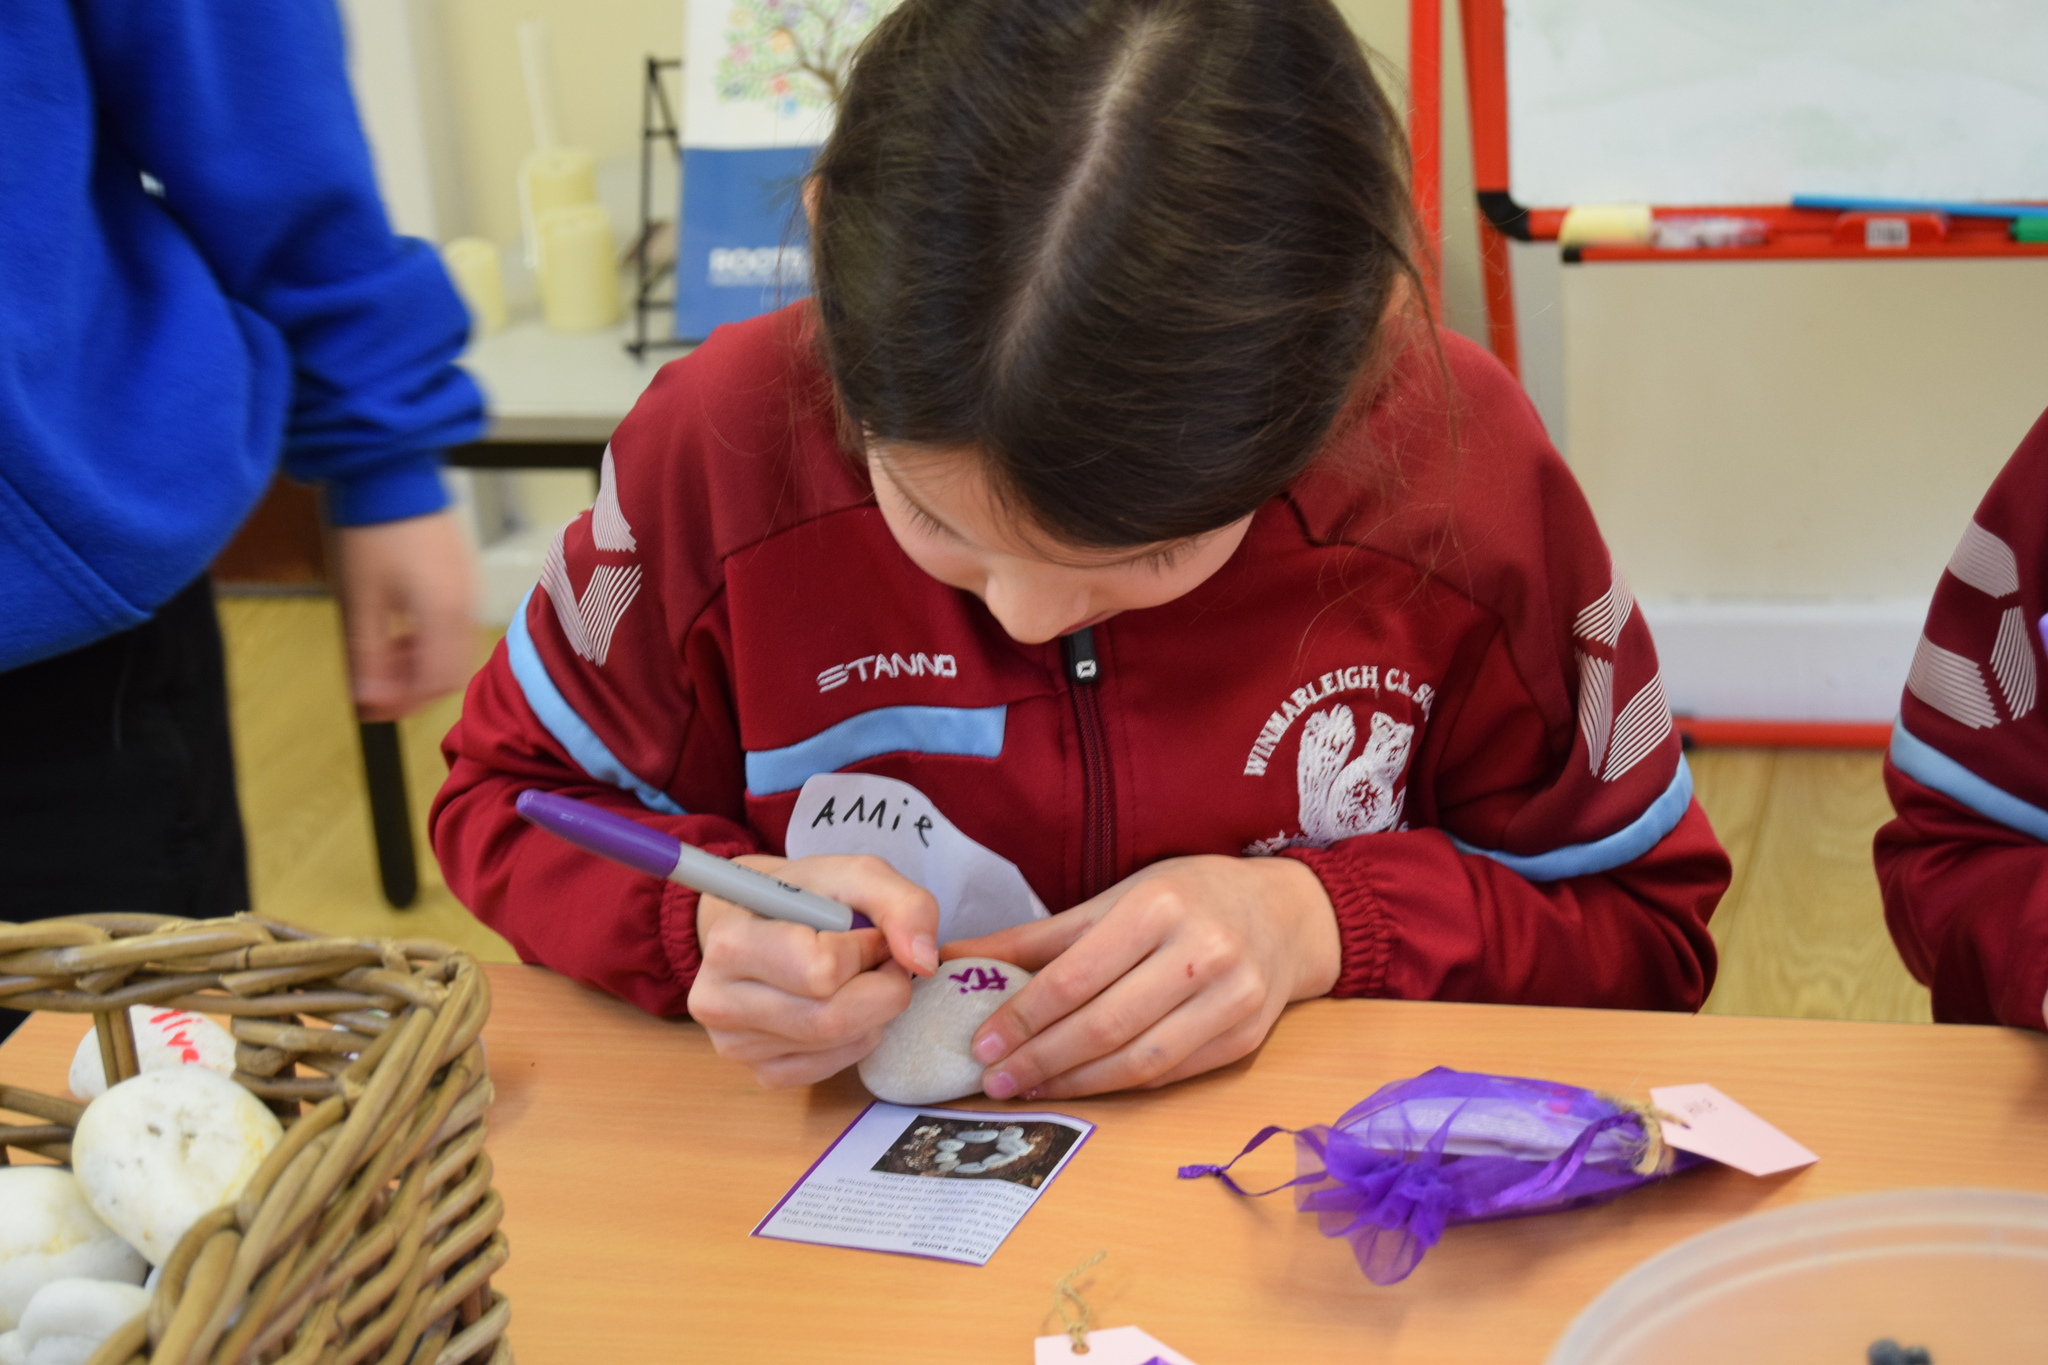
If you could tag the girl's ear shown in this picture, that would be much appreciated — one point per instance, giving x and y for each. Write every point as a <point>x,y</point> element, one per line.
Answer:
<point>811,204</point>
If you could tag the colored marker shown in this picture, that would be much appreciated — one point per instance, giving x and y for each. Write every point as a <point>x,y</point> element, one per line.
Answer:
<point>1851,204</point>
<point>661,855</point>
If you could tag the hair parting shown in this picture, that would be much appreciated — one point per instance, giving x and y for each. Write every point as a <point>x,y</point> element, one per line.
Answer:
<point>1137,255</point>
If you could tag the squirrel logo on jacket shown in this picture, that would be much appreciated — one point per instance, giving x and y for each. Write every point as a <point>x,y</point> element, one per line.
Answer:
<point>1345,788</point>
<point>1341,799</point>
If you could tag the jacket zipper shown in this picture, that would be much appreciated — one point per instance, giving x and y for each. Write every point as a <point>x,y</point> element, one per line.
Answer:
<point>1098,800</point>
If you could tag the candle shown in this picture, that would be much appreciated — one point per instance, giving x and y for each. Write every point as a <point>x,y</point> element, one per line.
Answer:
<point>553,178</point>
<point>540,93</point>
<point>473,264</point>
<point>579,277</point>
<point>558,177</point>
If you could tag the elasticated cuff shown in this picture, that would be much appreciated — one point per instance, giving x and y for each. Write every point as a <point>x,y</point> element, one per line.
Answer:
<point>412,488</point>
<point>1363,926</point>
<point>679,921</point>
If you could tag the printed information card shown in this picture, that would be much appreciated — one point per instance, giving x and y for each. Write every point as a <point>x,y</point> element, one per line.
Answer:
<point>945,1183</point>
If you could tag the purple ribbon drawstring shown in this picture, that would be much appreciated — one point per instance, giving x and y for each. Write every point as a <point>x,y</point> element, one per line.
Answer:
<point>1547,1183</point>
<point>1258,1141</point>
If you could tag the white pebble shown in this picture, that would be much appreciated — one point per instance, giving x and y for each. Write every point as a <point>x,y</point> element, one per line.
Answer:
<point>163,1037</point>
<point>923,1056</point>
<point>68,1319</point>
<point>161,1150</point>
<point>950,1144</point>
<point>48,1232</point>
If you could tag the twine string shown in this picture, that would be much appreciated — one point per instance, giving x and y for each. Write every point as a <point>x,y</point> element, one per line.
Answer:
<point>1653,1159</point>
<point>1076,1322</point>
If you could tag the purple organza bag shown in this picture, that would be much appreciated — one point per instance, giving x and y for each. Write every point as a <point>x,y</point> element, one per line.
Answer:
<point>1460,1147</point>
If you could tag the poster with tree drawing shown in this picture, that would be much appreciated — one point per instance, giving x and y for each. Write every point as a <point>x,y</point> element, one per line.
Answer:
<point>792,54</point>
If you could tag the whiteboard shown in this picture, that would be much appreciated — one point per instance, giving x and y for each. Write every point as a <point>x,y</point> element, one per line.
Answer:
<point>1754,101</point>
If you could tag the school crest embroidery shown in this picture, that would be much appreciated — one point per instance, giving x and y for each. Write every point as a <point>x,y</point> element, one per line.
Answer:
<point>1345,795</point>
<point>1342,796</point>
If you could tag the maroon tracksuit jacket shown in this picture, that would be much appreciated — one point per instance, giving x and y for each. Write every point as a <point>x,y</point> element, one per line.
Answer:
<point>1964,867</point>
<point>1419,675</point>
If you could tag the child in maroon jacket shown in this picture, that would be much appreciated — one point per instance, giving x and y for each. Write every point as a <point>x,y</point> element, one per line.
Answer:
<point>1964,867</point>
<point>1109,495</point>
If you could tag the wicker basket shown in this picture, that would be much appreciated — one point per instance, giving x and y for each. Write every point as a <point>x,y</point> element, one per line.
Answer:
<point>370,1234</point>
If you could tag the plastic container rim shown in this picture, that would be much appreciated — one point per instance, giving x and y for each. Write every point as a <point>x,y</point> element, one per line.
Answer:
<point>1672,1278</point>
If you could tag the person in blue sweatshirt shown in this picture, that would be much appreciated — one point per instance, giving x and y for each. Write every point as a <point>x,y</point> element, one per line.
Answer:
<point>197,279</point>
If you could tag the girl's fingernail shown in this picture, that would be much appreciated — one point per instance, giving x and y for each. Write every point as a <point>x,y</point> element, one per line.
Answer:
<point>1000,1086</point>
<point>924,950</point>
<point>988,1047</point>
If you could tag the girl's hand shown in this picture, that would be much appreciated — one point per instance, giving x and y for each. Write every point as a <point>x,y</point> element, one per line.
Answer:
<point>795,1005</point>
<point>1177,969</point>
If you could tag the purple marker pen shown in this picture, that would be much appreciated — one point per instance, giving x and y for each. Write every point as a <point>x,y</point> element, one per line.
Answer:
<point>661,855</point>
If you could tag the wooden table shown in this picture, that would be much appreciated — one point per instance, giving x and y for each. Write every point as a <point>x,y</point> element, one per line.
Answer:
<point>634,1163</point>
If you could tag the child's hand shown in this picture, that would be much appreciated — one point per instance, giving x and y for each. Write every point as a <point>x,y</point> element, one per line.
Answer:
<point>1177,969</point>
<point>408,600</point>
<point>795,1005</point>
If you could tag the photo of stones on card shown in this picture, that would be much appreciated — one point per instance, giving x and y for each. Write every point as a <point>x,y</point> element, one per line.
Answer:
<point>1022,1153</point>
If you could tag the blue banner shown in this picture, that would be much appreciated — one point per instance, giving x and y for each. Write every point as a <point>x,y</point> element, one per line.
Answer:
<point>744,249</point>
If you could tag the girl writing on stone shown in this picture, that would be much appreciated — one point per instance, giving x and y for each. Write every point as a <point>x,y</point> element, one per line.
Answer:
<point>1280,650</point>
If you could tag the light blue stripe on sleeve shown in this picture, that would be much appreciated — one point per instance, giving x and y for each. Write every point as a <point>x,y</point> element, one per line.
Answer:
<point>955,731</point>
<point>1930,767</point>
<point>570,730</point>
<point>1618,849</point>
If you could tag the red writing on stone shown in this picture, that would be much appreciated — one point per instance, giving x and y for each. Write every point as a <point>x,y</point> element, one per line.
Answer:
<point>188,1051</point>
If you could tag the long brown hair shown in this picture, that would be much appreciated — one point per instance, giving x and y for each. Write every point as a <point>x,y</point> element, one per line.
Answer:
<point>1135,253</point>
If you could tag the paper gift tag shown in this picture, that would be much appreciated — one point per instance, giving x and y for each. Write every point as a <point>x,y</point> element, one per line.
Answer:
<point>1111,1346</point>
<point>1718,1128</point>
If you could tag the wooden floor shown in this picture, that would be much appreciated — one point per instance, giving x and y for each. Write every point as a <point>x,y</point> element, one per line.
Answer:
<point>300,768</point>
<point>1801,930</point>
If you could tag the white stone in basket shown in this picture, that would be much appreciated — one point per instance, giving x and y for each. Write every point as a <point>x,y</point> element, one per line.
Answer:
<point>161,1150</point>
<point>163,1037</point>
<point>923,1056</point>
<point>68,1319</point>
<point>48,1232</point>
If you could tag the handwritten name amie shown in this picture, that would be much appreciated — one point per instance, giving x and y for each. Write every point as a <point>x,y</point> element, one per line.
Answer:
<point>858,814</point>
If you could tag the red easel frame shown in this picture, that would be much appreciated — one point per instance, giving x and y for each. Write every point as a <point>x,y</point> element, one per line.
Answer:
<point>1796,234</point>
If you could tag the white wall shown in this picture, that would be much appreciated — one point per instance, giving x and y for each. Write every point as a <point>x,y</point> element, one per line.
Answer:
<point>1782,455</point>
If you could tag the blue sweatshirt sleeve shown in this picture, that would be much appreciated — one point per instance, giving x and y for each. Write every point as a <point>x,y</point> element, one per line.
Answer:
<point>242,110</point>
